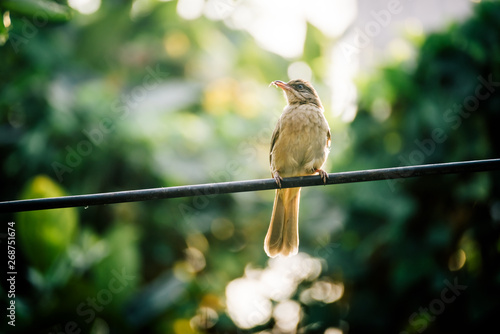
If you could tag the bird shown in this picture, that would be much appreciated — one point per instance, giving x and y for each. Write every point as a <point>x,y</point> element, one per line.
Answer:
<point>300,145</point>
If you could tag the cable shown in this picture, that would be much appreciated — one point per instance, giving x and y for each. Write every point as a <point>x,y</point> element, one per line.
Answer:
<point>249,185</point>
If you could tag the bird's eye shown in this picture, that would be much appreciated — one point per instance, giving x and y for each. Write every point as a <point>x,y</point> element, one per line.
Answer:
<point>300,86</point>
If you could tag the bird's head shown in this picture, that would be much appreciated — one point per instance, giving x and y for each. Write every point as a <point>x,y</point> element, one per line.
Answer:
<point>299,91</point>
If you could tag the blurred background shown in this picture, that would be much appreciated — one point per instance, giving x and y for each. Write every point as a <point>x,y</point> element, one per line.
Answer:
<point>99,96</point>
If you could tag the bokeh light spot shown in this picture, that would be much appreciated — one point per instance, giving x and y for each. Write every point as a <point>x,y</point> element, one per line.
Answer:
<point>287,315</point>
<point>249,298</point>
<point>176,44</point>
<point>190,9</point>
<point>219,96</point>
<point>85,6</point>
<point>222,228</point>
<point>299,70</point>
<point>6,19</point>
<point>195,259</point>
<point>205,318</point>
<point>400,49</point>
<point>381,109</point>
<point>322,291</point>
<point>457,260</point>
<point>183,326</point>
<point>392,142</point>
<point>198,241</point>
<point>246,305</point>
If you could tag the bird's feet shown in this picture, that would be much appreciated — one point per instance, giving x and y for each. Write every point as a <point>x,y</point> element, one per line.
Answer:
<point>277,178</point>
<point>322,174</point>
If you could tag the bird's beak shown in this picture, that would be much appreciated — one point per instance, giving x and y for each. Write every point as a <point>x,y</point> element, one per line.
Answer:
<point>281,84</point>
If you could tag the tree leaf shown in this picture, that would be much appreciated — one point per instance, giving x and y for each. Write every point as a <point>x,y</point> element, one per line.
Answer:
<point>42,9</point>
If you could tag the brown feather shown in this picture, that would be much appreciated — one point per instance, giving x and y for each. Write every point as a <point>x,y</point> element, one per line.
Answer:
<point>282,236</point>
<point>299,146</point>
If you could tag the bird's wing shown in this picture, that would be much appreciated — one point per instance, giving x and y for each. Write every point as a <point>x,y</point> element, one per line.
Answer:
<point>328,138</point>
<point>274,138</point>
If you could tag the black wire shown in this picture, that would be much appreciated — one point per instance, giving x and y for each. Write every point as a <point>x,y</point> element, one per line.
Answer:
<point>250,185</point>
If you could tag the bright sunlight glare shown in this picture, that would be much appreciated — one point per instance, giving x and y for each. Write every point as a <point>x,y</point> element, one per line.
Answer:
<point>278,26</point>
<point>190,9</point>
<point>287,315</point>
<point>85,6</point>
<point>249,298</point>
<point>246,304</point>
<point>299,70</point>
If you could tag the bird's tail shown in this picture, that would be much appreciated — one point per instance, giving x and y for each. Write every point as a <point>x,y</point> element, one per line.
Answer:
<point>283,234</point>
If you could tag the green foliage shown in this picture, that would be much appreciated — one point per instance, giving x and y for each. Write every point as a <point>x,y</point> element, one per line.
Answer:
<point>52,10</point>
<point>45,236</point>
<point>41,11</point>
<point>121,254</point>
<point>442,108</point>
<point>131,99</point>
